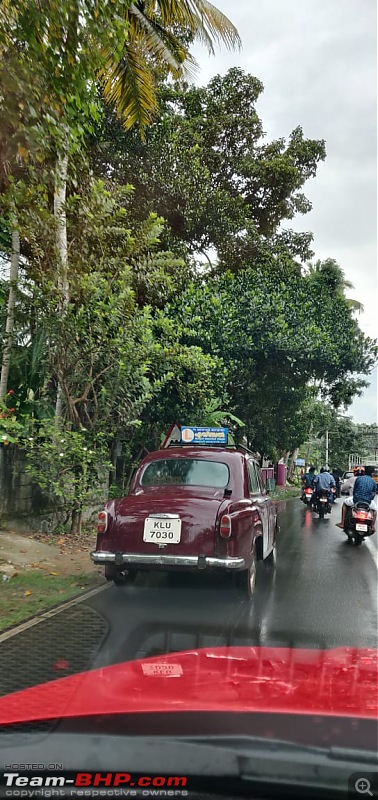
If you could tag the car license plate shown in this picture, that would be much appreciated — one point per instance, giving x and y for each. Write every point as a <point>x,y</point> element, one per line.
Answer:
<point>361,527</point>
<point>162,531</point>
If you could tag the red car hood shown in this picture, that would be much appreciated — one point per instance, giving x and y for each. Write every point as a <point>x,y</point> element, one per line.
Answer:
<point>339,682</point>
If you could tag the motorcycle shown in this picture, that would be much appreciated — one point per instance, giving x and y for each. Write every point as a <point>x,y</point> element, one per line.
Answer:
<point>322,503</point>
<point>307,495</point>
<point>358,523</point>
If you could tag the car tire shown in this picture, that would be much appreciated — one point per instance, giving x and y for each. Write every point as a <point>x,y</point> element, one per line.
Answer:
<point>246,580</point>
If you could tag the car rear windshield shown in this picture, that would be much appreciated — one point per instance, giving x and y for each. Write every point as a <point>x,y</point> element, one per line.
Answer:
<point>187,472</point>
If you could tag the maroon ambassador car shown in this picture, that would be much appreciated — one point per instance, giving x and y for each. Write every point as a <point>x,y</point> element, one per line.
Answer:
<point>199,504</point>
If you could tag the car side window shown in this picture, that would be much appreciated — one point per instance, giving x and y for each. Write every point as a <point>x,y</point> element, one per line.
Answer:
<point>253,479</point>
<point>260,479</point>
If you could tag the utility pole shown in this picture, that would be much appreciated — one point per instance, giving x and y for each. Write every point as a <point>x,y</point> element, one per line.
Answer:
<point>326,448</point>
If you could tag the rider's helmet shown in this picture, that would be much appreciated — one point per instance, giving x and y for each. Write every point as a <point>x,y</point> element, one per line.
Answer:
<point>312,469</point>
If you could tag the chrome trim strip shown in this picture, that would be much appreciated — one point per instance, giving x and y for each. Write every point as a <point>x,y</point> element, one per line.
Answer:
<point>169,560</point>
<point>163,516</point>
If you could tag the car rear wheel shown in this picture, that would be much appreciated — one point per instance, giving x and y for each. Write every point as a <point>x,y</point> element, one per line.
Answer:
<point>246,580</point>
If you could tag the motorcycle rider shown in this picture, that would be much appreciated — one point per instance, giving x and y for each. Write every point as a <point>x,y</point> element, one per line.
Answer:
<point>308,480</point>
<point>323,483</point>
<point>364,491</point>
<point>336,475</point>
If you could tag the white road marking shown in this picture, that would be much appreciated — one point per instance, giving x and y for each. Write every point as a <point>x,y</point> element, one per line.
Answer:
<point>51,613</point>
<point>373,551</point>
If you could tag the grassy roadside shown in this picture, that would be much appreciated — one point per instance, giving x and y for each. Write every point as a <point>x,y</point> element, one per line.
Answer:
<point>285,492</point>
<point>32,592</point>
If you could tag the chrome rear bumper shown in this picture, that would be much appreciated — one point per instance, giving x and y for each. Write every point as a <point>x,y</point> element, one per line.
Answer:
<point>161,560</point>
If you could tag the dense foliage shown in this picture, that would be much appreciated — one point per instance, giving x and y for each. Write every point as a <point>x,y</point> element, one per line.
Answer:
<point>205,167</point>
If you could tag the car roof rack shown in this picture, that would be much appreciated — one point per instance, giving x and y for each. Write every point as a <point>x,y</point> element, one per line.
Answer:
<point>215,446</point>
<point>174,439</point>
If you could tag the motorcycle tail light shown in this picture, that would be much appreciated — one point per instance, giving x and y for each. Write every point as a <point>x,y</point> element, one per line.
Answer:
<point>362,514</point>
<point>225,527</point>
<point>308,491</point>
<point>102,521</point>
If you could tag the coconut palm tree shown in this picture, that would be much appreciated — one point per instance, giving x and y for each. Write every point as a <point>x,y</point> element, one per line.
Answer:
<point>337,278</point>
<point>154,28</point>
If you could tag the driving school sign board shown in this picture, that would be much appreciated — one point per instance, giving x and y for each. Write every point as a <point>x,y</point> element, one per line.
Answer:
<point>191,435</point>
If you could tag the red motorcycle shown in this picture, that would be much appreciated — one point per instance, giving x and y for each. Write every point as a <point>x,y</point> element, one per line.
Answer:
<point>307,495</point>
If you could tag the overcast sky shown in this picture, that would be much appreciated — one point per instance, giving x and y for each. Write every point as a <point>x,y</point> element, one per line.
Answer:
<point>317,61</point>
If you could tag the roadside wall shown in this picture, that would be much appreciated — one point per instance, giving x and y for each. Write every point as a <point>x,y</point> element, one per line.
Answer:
<point>22,506</point>
<point>16,493</point>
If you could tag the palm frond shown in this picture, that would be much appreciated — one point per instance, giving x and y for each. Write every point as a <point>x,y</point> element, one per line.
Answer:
<point>128,82</point>
<point>129,86</point>
<point>203,19</point>
<point>161,44</point>
<point>217,25</point>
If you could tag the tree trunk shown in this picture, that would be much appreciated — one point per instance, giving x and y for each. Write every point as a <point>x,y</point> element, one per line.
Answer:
<point>309,445</point>
<point>115,452</point>
<point>9,325</point>
<point>76,521</point>
<point>293,458</point>
<point>60,194</point>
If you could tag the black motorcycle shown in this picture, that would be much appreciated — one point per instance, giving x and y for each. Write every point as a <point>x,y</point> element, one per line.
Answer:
<point>322,503</point>
<point>358,523</point>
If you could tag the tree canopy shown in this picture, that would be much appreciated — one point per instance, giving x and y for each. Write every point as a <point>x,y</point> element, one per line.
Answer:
<point>204,166</point>
<point>118,177</point>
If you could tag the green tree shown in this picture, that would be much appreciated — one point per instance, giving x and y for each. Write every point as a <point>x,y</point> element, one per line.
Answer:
<point>205,168</point>
<point>69,45</point>
<point>335,275</point>
<point>279,343</point>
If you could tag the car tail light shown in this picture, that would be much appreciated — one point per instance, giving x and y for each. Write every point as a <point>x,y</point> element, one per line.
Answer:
<point>102,521</point>
<point>225,527</point>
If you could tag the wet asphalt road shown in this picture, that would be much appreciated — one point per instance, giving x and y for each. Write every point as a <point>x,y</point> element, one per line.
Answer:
<point>322,593</point>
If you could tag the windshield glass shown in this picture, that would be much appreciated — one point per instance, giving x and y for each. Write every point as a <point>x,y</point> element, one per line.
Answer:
<point>186,472</point>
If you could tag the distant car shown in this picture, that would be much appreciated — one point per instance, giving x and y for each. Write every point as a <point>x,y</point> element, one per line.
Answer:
<point>344,478</point>
<point>190,508</point>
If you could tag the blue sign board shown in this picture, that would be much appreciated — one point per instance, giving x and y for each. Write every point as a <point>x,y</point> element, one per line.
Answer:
<point>204,435</point>
<point>299,462</point>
